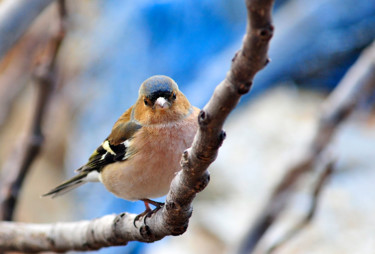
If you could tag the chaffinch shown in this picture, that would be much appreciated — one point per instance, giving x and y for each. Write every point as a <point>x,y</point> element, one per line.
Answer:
<point>142,154</point>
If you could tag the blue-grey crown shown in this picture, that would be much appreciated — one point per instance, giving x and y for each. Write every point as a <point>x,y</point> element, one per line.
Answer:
<point>158,86</point>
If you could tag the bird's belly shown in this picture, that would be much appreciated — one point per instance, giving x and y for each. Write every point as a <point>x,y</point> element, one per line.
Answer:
<point>149,172</point>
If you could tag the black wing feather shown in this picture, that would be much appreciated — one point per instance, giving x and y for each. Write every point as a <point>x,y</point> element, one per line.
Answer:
<point>113,149</point>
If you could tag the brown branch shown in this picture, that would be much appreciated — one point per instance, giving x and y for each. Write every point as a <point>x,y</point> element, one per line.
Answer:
<point>173,218</point>
<point>312,209</point>
<point>356,85</point>
<point>19,163</point>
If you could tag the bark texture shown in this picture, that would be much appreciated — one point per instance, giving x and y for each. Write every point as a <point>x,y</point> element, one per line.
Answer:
<point>173,217</point>
<point>357,85</point>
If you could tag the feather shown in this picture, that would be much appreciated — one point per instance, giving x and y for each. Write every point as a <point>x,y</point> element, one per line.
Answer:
<point>69,185</point>
<point>113,149</point>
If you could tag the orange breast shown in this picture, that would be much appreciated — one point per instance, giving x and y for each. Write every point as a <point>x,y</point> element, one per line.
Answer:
<point>149,172</point>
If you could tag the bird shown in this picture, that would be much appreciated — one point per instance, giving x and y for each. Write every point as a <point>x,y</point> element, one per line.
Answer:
<point>142,153</point>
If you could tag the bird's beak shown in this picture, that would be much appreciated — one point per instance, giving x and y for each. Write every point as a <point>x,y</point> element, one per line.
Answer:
<point>161,102</point>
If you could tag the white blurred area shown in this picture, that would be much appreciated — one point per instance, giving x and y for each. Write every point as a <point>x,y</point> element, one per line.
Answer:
<point>263,138</point>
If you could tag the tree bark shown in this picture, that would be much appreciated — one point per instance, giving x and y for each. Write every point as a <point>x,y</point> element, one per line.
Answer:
<point>173,217</point>
<point>357,85</point>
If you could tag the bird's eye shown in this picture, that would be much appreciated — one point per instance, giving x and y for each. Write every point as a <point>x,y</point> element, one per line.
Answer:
<point>173,96</point>
<point>146,102</point>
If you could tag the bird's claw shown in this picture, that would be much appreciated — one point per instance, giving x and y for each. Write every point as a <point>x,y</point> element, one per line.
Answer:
<point>148,212</point>
<point>140,215</point>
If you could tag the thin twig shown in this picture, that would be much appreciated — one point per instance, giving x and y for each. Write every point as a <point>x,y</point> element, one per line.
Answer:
<point>298,227</point>
<point>357,84</point>
<point>173,218</point>
<point>16,168</point>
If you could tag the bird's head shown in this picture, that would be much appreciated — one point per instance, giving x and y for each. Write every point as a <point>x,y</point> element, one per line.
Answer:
<point>158,92</point>
<point>160,100</point>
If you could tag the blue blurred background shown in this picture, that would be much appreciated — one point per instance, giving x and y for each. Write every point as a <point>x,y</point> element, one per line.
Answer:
<point>193,42</point>
<point>113,46</point>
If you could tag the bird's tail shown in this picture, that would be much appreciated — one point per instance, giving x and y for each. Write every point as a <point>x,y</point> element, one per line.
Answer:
<point>69,185</point>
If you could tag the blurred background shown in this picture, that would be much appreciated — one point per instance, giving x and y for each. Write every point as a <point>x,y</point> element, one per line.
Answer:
<point>111,47</point>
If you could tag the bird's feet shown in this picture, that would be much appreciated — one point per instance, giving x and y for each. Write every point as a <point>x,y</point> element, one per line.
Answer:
<point>148,212</point>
